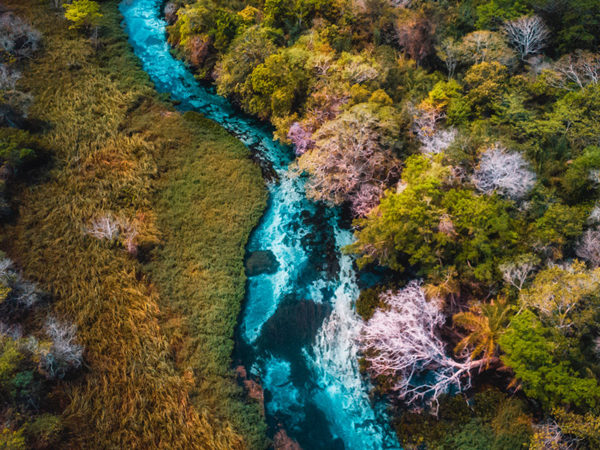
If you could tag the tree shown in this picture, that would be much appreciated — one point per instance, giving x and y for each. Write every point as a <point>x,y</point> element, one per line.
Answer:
<point>492,14</point>
<point>402,342</point>
<point>416,34</point>
<point>436,228</point>
<point>450,52</point>
<point>485,46</point>
<point>84,14</point>
<point>578,69</point>
<point>579,427</point>
<point>64,353</point>
<point>17,37</point>
<point>301,138</point>
<point>486,84</point>
<point>528,34</point>
<point>350,161</point>
<point>563,296</point>
<point>549,436</point>
<point>516,272</point>
<point>558,227</point>
<point>484,323</point>
<point>278,85</point>
<point>18,292</point>
<point>504,172</point>
<point>8,77</point>
<point>433,139</point>
<point>575,116</point>
<point>589,247</point>
<point>245,53</point>
<point>532,353</point>
<point>580,180</point>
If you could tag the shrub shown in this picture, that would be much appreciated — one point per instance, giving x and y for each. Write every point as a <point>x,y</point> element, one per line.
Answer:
<point>65,354</point>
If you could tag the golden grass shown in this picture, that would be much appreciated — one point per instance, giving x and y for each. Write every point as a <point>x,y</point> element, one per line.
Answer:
<point>118,149</point>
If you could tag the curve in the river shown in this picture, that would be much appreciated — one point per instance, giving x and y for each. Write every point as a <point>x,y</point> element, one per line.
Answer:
<point>298,325</point>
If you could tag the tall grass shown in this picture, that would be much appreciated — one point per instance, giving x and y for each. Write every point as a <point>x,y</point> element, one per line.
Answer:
<point>158,343</point>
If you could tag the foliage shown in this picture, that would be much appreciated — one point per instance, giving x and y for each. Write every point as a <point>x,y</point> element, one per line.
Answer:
<point>533,354</point>
<point>504,172</point>
<point>357,88</point>
<point>581,180</point>
<point>493,421</point>
<point>15,148</point>
<point>351,160</point>
<point>437,228</point>
<point>528,34</point>
<point>141,388</point>
<point>401,342</point>
<point>484,324</point>
<point>83,14</point>
<point>563,296</point>
<point>17,37</point>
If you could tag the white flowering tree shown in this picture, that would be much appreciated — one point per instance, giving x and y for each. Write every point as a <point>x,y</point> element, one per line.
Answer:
<point>433,138</point>
<point>402,341</point>
<point>589,247</point>
<point>505,172</point>
<point>578,69</point>
<point>64,354</point>
<point>528,35</point>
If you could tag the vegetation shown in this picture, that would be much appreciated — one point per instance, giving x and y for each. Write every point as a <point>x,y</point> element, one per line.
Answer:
<point>88,220</point>
<point>462,136</point>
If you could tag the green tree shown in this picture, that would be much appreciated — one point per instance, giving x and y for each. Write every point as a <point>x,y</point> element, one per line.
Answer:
<point>532,352</point>
<point>278,87</point>
<point>582,177</point>
<point>484,322</point>
<point>575,116</point>
<point>565,297</point>
<point>84,14</point>
<point>558,228</point>
<point>436,227</point>
<point>486,83</point>
<point>494,13</point>
<point>246,52</point>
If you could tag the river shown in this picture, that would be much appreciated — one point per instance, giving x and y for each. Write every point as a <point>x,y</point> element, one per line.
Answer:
<point>298,327</point>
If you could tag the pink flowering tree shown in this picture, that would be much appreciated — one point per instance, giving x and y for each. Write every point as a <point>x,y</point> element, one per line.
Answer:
<point>349,161</point>
<point>301,138</point>
<point>402,341</point>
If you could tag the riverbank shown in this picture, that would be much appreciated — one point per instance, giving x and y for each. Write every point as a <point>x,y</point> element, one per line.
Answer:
<point>157,328</point>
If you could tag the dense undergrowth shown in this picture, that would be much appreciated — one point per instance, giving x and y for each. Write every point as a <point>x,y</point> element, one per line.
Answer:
<point>155,375</point>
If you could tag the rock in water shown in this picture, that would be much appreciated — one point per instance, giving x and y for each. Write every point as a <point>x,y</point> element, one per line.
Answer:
<point>259,262</point>
<point>281,441</point>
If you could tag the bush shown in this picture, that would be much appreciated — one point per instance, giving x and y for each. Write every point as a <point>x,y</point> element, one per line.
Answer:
<point>17,37</point>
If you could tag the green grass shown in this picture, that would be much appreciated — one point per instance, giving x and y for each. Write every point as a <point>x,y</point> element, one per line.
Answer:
<point>207,206</point>
<point>158,341</point>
